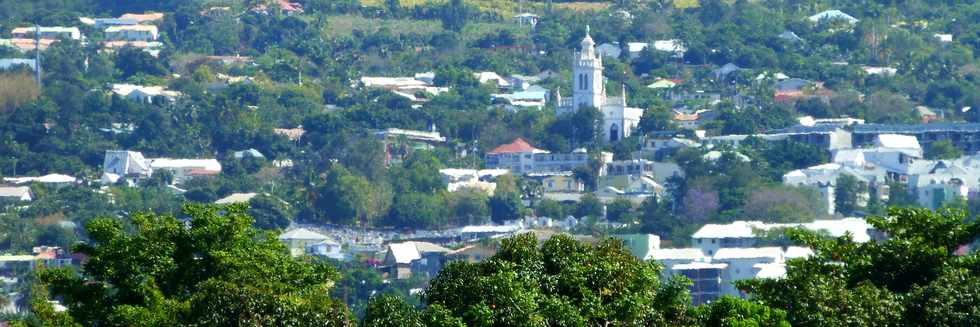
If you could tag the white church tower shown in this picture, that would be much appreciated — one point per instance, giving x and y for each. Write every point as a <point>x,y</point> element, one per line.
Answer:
<point>588,90</point>
<point>588,84</point>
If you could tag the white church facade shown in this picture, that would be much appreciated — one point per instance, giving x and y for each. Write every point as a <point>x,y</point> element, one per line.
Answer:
<point>588,90</point>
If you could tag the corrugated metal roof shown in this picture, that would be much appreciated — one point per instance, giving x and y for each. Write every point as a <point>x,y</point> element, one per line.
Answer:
<point>915,128</point>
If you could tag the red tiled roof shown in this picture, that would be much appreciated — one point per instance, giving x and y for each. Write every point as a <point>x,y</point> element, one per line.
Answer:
<point>518,146</point>
<point>680,116</point>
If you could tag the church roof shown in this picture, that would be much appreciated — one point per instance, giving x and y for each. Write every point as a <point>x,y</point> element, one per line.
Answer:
<point>519,145</point>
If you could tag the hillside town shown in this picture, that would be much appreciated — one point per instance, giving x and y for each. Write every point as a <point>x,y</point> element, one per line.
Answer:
<point>397,148</point>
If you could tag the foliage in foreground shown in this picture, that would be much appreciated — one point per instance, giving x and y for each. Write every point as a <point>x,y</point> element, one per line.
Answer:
<point>915,278</point>
<point>212,270</point>
<point>562,283</point>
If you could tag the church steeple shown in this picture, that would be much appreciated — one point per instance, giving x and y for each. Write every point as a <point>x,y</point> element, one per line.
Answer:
<point>588,45</point>
<point>587,82</point>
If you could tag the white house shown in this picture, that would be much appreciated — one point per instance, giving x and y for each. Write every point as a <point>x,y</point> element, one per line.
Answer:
<point>49,179</point>
<point>673,46</point>
<point>588,90</point>
<point>124,164</point>
<point>53,32</point>
<point>132,166</point>
<point>743,234</point>
<point>236,198</point>
<point>327,248</point>
<point>742,263</point>
<point>671,257</point>
<point>408,258</point>
<point>145,94</point>
<point>493,78</point>
<point>185,169</point>
<point>707,280</point>
<point>16,193</point>
<point>831,15</point>
<point>298,240</point>
<point>521,157</point>
<point>132,33</point>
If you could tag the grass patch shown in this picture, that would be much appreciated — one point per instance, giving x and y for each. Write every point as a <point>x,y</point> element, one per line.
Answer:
<point>684,4</point>
<point>583,6</point>
<point>345,25</point>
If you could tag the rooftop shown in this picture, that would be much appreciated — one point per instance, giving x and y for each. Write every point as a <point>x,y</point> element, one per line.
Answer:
<point>677,254</point>
<point>519,145</point>
<point>302,234</point>
<point>145,17</point>
<point>406,252</point>
<point>50,178</point>
<point>14,191</point>
<point>916,128</point>
<point>699,265</point>
<point>236,198</point>
<point>773,252</point>
<point>120,28</point>
<point>897,141</point>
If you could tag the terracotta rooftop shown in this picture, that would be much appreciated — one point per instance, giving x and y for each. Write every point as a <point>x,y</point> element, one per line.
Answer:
<point>519,145</point>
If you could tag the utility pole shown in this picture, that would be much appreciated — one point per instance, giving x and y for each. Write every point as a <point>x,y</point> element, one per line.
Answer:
<point>37,55</point>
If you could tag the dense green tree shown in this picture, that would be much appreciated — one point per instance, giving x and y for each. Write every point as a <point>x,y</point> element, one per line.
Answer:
<point>419,210</point>
<point>505,206</point>
<point>913,278</point>
<point>731,312</point>
<point>942,149</point>
<point>656,119</point>
<point>214,270</point>
<point>899,196</point>
<point>270,212</point>
<point>847,189</point>
<point>550,208</point>
<point>469,206</point>
<point>347,198</point>
<point>131,61</point>
<point>620,210</point>
<point>590,206</point>
<point>562,282</point>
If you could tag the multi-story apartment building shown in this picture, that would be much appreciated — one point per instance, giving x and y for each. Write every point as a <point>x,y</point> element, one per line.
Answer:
<point>522,158</point>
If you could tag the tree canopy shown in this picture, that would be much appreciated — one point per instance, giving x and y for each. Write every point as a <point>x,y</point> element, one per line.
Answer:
<point>211,268</point>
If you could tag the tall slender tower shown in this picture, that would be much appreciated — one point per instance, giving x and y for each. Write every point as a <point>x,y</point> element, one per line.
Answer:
<point>587,81</point>
<point>37,55</point>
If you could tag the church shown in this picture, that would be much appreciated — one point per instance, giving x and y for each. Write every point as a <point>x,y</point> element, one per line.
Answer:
<point>589,90</point>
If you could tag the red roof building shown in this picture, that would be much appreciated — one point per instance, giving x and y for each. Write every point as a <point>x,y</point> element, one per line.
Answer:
<point>519,145</point>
